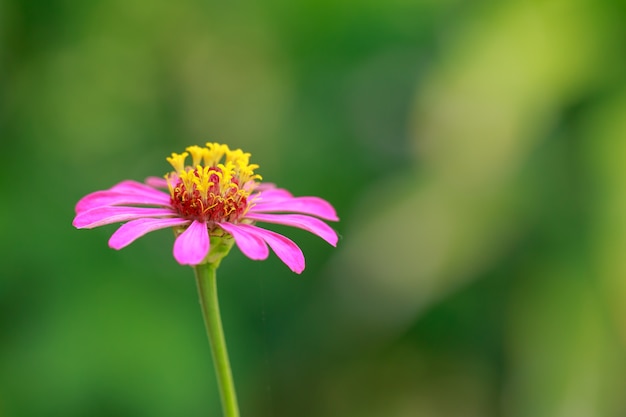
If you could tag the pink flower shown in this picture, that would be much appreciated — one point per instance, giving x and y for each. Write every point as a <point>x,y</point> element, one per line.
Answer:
<point>216,197</point>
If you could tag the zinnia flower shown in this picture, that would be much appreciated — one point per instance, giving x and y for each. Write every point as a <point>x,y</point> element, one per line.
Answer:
<point>215,199</point>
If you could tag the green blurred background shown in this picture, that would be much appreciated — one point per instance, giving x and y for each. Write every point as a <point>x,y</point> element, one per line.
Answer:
<point>475,152</point>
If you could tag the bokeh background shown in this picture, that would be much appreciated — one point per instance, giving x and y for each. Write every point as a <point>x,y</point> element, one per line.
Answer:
<point>475,152</point>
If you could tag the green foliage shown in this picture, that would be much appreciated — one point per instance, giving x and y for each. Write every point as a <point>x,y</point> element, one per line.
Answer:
<point>474,150</point>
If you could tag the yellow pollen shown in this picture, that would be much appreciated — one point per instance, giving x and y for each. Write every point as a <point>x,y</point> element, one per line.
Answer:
<point>197,154</point>
<point>216,185</point>
<point>178,161</point>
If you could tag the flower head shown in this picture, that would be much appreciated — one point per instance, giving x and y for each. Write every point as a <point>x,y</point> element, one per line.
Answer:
<point>212,202</point>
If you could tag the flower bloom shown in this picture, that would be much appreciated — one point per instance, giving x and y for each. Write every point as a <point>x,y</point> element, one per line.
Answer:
<point>218,196</point>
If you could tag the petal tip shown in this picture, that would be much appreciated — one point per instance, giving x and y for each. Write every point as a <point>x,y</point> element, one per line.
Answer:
<point>115,245</point>
<point>78,222</point>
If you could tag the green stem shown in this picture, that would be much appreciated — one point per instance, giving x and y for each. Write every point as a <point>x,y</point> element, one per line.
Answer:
<point>207,290</point>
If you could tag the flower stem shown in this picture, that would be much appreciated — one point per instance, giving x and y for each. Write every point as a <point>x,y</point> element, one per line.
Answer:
<point>207,290</point>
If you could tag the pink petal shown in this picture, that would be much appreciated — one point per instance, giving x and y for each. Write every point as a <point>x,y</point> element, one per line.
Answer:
<point>192,246</point>
<point>111,198</point>
<point>263,186</point>
<point>285,249</point>
<point>131,231</point>
<point>157,182</point>
<point>250,245</point>
<point>311,224</point>
<point>129,186</point>
<point>263,194</point>
<point>305,205</point>
<point>106,215</point>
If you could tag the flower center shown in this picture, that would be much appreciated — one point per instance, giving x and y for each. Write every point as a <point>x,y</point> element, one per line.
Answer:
<point>215,188</point>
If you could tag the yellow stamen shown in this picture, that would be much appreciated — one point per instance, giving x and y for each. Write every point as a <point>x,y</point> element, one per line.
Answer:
<point>178,161</point>
<point>215,186</point>
<point>197,154</point>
